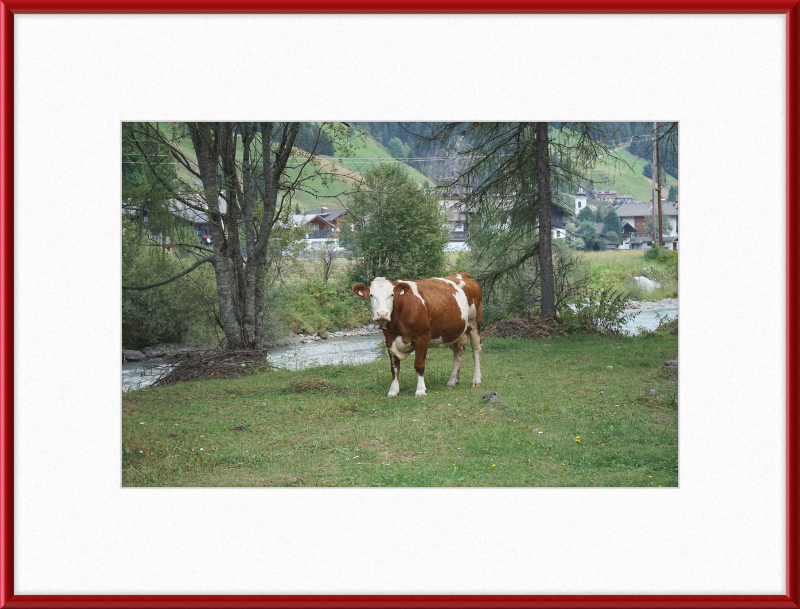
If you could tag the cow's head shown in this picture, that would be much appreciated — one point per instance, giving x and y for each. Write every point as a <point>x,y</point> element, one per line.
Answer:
<point>381,293</point>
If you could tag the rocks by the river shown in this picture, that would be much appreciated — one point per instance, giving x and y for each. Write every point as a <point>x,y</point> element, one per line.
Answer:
<point>312,338</point>
<point>648,285</point>
<point>162,354</point>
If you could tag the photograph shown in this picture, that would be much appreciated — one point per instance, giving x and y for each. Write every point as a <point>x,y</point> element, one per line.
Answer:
<point>400,304</point>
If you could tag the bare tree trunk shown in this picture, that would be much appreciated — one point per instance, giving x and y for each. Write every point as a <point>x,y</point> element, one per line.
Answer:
<point>548,302</point>
<point>204,139</point>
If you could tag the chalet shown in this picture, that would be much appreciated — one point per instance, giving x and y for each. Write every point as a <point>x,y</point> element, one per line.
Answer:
<point>456,215</point>
<point>605,195</point>
<point>328,219</point>
<point>637,213</point>
<point>628,231</point>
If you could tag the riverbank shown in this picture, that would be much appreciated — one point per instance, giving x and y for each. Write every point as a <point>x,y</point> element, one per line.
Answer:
<point>316,336</point>
<point>645,305</point>
<point>168,353</point>
<point>585,417</point>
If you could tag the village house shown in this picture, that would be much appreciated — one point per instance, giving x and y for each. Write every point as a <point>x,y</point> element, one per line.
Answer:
<point>637,213</point>
<point>606,195</point>
<point>324,227</point>
<point>634,216</point>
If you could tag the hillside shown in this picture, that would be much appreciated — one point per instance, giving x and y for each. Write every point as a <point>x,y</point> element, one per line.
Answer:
<point>626,177</point>
<point>324,183</point>
<point>367,153</point>
<point>327,182</point>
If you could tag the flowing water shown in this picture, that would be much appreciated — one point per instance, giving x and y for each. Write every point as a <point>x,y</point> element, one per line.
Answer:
<point>649,319</point>
<point>346,350</point>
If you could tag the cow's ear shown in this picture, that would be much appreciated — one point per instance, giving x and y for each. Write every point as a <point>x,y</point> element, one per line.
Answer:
<point>361,290</point>
<point>401,288</point>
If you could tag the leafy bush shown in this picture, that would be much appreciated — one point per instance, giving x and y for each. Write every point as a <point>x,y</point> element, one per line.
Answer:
<point>176,312</point>
<point>598,311</point>
<point>316,306</point>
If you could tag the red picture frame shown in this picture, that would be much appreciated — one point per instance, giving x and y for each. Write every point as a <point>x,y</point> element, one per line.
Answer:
<point>789,8</point>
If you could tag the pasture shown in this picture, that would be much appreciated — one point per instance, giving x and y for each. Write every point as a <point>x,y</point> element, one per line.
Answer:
<point>564,419</point>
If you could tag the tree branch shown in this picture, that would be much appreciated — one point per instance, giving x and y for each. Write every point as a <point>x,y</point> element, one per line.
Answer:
<point>171,279</point>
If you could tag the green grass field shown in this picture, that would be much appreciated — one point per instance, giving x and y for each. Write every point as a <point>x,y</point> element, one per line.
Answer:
<point>564,419</point>
<point>627,179</point>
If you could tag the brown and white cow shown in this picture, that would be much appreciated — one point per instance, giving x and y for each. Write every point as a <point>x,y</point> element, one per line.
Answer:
<point>421,313</point>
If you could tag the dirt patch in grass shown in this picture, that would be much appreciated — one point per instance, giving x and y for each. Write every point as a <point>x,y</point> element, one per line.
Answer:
<point>403,455</point>
<point>533,327</point>
<point>313,384</point>
<point>372,443</point>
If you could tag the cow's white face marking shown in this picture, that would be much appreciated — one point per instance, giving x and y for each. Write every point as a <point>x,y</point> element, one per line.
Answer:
<point>381,300</point>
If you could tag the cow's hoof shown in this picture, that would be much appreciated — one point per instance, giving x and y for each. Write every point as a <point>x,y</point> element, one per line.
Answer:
<point>420,393</point>
<point>391,395</point>
<point>476,383</point>
<point>452,383</point>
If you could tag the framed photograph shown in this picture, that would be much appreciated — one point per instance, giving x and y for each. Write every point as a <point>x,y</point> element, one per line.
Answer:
<point>722,532</point>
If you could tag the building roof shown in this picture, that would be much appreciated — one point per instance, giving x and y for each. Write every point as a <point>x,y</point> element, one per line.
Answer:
<point>645,209</point>
<point>309,218</point>
<point>329,215</point>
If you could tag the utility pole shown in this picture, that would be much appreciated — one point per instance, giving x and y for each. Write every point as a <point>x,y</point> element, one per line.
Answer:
<point>653,178</point>
<point>658,188</point>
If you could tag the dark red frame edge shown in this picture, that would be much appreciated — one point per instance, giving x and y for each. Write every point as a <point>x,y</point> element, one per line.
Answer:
<point>790,8</point>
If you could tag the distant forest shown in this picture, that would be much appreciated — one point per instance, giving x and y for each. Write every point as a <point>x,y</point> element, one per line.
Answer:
<point>400,141</point>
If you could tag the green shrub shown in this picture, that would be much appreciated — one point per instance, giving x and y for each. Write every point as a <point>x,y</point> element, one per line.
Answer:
<point>175,312</point>
<point>598,311</point>
<point>315,306</point>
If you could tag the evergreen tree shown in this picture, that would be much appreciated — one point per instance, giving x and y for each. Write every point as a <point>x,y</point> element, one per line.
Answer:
<point>514,172</point>
<point>673,193</point>
<point>588,232</point>
<point>585,215</point>
<point>612,223</point>
<point>398,149</point>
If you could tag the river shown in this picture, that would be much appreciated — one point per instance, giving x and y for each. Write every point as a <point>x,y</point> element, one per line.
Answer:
<point>348,350</point>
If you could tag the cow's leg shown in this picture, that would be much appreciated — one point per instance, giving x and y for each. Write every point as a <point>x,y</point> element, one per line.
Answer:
<point>421,347</point>
<point>394,361</point>
<point>458,357</point>
<point>475,341</point>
